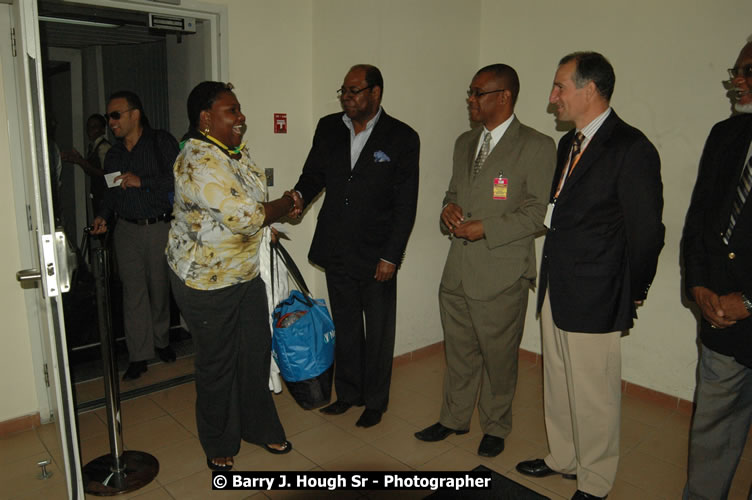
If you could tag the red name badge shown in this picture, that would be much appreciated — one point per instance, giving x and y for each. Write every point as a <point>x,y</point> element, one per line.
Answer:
<point>501,184</point>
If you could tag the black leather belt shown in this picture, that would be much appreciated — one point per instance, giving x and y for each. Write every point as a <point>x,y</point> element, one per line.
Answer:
<point>151,220</point>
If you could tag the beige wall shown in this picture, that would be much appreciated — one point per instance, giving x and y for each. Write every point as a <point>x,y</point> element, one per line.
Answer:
<point>289,56</point>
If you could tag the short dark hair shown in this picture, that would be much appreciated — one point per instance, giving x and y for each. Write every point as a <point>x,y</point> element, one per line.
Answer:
<point>506,74</point>
<point>134,102</point>
<point>97,118</point>
<point>592,66</point>
<point>373,76</point>
<point>202,97</point>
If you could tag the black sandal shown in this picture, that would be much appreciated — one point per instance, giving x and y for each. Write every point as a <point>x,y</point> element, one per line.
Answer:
<point>286,448</point>
<point>218,467</point>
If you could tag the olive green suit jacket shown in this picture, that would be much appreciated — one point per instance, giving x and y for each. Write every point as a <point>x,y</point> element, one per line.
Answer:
<point>527,159</point>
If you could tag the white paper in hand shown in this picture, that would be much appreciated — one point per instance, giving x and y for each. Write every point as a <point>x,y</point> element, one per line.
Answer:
<point>110,179</point>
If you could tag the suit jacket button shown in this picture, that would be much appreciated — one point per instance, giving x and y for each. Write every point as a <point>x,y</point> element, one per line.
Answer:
<point>464,242</point>
<point>732,255</point>
<point>347,201</point>
<point>349,179</point>
<point>469,214</point>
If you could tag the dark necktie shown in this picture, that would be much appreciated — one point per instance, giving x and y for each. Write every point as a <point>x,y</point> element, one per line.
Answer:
<point>576,148</point>
<point>742,191</point>
<point>482,154</point>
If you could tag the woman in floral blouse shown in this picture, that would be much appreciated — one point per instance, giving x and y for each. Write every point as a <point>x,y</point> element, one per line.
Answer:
<point>219,212</point>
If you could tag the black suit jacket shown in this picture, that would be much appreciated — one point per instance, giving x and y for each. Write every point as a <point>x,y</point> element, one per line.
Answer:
<point>708,261</point>
<point>601,251</point>
<point>369,211</point>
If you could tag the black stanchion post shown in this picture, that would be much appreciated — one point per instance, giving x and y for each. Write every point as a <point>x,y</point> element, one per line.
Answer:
<point>120,471</point>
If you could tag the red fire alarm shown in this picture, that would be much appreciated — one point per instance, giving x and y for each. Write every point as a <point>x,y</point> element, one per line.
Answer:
<point>280,123</point>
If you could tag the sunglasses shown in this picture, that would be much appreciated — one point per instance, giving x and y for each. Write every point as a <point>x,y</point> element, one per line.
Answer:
<point>115,115</point>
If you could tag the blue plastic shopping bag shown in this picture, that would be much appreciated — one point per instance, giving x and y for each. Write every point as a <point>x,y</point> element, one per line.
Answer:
<point>303,340</point>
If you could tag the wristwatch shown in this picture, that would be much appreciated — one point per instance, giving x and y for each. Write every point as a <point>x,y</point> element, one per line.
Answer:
<point>747,303</point>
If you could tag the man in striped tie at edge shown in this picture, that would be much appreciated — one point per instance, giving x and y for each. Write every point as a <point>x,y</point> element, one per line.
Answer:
<point>717,248</point>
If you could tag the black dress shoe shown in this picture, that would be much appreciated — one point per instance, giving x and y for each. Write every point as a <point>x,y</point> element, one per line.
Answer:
<point>538,468</point>
<point>581,495</point>
<point>135,369</point>
<point>490,446</point>
<point>369,418</point>
<point>437,432</point>
<point>337,408</point>
<point>166,354</point>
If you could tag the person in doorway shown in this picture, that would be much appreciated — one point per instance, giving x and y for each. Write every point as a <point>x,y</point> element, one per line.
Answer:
<point>93,163</point>
<point>141,203</point>
<point>56,170</point>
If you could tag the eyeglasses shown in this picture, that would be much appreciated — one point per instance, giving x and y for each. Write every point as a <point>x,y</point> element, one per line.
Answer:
<point>476,94</point>
<point>744,71</point>
<point>115,115</point>
<point>342,91</point>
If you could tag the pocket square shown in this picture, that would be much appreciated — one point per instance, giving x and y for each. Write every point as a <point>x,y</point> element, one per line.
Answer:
<point>380,157</point>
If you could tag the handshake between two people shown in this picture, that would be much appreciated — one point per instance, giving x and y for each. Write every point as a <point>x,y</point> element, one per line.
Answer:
<point>290,204</point>
<point>296,210</point>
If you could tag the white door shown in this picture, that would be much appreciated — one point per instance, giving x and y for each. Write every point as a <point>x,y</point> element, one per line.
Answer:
<point>47,248</point>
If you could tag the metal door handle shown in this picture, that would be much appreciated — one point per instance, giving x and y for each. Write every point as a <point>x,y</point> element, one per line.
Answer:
<point>29,275</point>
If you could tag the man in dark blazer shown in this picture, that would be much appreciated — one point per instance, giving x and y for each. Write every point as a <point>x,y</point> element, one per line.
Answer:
<point>368,163</point>
<point>493,209</point>
<point>717,250</point>
<point>599,258</point>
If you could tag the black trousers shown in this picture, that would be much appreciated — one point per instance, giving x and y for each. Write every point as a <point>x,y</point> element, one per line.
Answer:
<point>364,351</point>
<point>231,334</point>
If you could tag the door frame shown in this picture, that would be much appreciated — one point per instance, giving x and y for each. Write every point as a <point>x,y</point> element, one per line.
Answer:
<point>217,16</point>
<point>20,155</point>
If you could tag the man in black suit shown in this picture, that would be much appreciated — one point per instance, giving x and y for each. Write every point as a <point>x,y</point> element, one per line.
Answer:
<point>599,258</point>
<point>368,163</point>
<point>717,249</point>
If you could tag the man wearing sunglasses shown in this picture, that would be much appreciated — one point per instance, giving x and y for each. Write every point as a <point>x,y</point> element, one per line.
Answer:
<point>368,163</point>
<point>493,210</point>
<point>141,203</point>
<point>717,249</point>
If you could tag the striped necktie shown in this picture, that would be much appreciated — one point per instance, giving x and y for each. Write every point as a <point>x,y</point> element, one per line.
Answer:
<point>742,191</point>
<point>576,147</point>
<point>482,154</point>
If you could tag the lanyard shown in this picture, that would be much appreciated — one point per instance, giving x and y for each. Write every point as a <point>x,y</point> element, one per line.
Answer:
<point>568,171</point>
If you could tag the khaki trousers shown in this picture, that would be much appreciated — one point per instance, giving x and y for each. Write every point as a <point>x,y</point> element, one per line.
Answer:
<point>481,341</point>
<point>582,403</point>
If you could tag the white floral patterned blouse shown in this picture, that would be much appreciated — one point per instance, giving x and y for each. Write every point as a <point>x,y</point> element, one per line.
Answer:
<point>218,215</point>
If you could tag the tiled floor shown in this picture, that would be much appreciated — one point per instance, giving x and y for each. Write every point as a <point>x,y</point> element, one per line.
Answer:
<point>653,443</point>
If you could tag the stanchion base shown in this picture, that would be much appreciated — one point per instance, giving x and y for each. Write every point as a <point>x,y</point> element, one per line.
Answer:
<point>140,469</point>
